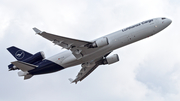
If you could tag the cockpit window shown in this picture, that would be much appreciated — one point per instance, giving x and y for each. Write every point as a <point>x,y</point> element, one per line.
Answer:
<point>163,18</point>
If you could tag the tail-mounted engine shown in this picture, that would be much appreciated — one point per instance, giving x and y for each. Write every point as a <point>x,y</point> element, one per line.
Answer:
<point>36,58</point>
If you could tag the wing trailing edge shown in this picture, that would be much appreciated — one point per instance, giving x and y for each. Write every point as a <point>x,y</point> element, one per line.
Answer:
<point>24,66</point>
<point>77,47</point>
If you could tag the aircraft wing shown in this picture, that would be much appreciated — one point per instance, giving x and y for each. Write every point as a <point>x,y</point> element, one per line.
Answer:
<point>77,47</point>
<point>86,69</point>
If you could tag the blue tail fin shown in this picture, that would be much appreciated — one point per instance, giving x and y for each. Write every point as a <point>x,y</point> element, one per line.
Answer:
<point>19,54</point>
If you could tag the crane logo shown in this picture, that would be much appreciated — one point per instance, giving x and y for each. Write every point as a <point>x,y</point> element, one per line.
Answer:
<point>19,54</point>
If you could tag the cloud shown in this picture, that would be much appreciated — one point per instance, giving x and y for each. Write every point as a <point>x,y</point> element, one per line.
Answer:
<point>148,70</point>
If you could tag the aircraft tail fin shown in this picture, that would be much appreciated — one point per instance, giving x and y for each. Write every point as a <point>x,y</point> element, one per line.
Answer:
<point>19,54</point>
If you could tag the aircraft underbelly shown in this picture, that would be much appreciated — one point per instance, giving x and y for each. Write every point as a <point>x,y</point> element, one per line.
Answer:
<point>46,67</point>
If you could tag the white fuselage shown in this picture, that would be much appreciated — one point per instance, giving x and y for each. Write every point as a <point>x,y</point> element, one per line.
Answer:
<point>116,40</point>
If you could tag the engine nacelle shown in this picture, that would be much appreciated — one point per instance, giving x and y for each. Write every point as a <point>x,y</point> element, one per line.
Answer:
<point>36,58</point>
<point>111,59</point>
<point>100,42</point>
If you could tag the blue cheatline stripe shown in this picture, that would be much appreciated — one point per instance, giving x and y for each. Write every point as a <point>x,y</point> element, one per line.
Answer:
<point>46,66</point>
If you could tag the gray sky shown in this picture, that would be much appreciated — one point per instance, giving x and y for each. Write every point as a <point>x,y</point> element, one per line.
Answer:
<point>148,70</point>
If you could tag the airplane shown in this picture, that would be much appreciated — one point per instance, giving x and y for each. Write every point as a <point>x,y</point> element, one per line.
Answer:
<point>90,54</point>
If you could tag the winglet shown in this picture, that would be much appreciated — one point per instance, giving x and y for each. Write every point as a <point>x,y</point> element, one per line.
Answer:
<point>71,80</point>
<point>37,30</point>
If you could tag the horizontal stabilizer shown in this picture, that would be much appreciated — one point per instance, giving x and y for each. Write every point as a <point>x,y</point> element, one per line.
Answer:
<point>27,76</point>
<point>24,66</point>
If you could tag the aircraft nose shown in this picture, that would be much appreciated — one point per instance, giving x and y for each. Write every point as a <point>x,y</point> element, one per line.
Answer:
<point>169,21</point>
<point>166,22</point>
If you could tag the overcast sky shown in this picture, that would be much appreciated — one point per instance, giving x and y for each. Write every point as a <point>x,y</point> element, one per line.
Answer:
<point>148,70</point>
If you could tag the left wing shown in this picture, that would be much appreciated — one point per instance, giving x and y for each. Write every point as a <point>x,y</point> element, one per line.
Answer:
<point>78,47</point>
<point>86,69</point>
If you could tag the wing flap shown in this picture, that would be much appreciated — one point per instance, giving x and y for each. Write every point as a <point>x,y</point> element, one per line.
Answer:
<point>85,71</point>
<point>88,68</point>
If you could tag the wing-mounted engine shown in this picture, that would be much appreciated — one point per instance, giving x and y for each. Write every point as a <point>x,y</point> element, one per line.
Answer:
<point>34,59</point>
<point>111,59</point>
<point>101,42</point>
<point>77,47</point>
